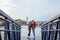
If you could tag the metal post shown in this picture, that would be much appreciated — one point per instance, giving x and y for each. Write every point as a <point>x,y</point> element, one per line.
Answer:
<point>58,25</point>
<point>0,36</point>
<point>8,32</point>
<point>19,34</point>
<point>47,33</point>
<point>51,32</point>
<point>5,33</point>
<point>43,34</point>
<point>6,25</point>
<point>56,33</point>
<point>13,33</point>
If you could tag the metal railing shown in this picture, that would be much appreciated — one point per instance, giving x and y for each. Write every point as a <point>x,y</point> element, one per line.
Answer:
<point>51,29</point>
<point>9,29</point>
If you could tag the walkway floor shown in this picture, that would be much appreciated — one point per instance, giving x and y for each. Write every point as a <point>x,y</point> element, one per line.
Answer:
<point>24,32</point>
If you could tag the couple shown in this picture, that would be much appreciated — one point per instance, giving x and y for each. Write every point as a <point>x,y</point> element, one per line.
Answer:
<point>31,25</point>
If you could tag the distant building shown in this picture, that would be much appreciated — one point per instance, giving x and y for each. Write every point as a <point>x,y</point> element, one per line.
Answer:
<point>39,23</point>
<point>20,22</point>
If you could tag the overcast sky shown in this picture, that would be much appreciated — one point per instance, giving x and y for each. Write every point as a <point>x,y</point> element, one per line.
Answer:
<point>34,9</point>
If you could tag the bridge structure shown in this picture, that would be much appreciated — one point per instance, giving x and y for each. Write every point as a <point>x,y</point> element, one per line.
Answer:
<point>50,30</point>
<point>10,30</point>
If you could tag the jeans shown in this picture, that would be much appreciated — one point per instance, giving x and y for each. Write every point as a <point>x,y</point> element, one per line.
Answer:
<point>33,30</point>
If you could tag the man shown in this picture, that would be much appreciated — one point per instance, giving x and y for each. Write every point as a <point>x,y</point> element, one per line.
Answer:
<point>29,28</point>
<point>32,25</point>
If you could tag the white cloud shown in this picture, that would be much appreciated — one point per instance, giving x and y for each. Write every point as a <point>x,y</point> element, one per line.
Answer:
<point>34,9</point>
<point>7,6</point>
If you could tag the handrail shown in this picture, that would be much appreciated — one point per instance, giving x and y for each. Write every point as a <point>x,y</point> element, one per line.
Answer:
<point>5,15</point>
<point>9,27</point>
<point>57,17</point>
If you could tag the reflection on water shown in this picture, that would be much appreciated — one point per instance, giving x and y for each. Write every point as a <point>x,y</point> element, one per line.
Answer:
<point>33,38</point>
<point>30,38</point>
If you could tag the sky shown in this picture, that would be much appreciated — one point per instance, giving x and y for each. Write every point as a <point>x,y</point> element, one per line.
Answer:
<point>39,10</point>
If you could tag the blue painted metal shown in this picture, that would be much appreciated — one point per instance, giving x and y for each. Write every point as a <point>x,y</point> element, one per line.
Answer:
<point>19,34</point>
<point>0,36</point>
<point>6,25</point>
<point>5,15</point>
<point>43,33</point>
<point>13,31</point>
<point>51,32</point>
<point>48,31</point>
<point>59,28</point>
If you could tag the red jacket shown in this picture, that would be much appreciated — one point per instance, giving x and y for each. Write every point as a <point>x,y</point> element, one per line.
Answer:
<point>33,24</point>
